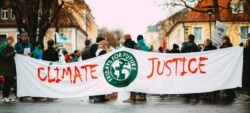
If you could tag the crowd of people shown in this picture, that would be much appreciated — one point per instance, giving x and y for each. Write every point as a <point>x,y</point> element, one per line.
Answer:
<point>52,53</point>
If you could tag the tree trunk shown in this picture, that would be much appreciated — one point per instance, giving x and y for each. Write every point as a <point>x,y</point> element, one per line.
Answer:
<point>216,10</point>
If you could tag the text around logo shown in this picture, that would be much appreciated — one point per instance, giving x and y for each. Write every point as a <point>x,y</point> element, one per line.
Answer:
<point>120,69</point>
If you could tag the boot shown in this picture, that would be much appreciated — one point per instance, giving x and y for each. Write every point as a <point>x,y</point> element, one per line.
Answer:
<point>131,98</point>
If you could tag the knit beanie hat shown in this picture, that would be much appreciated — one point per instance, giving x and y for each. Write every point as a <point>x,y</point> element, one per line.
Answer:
<point>127,36</point>
<point>139,37</point>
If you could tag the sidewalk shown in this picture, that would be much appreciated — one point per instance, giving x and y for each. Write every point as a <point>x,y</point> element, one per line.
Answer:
<point>154,104</point>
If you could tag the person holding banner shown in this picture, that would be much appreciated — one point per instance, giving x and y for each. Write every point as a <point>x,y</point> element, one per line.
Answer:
<point>143,47</point>
<point>38,54</point>
<point>8,69</point>
<point>190,46</point>
<point>97,50</point>
<point>129,43</point>
<point>24,47</point>
<point>208,45</point>
<point>50,54</point>
<point>247,65</point>
<point>93,48</point>
<point>225,44</point>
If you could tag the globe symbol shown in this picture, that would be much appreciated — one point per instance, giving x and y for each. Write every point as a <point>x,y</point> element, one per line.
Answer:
<point>121,69</point>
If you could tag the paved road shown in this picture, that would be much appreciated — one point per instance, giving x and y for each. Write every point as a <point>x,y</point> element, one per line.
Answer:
<point>154,104</point>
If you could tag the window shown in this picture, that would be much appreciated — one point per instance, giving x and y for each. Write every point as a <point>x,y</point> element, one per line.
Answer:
<point>3,38</point>
<point>198,33</point>
<point>237,7</point>
<point>12,15</point>
<point>39,14</point>
<point>4,14</point>
<point>243,32</point>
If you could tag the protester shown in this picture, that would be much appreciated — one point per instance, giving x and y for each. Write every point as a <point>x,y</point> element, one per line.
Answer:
<point>97,50</point>
<point>38,54</point>
<point>105,45</point>
<point>2,45</point>
<point>50,54</point>
<point>226,42</point>
<point>247,65</point>
<point>175,49</point>
<point>86,51</point>
<point>8,69</point>
<point>230,93</point>
<point>24,47</point>
<point>67,57</point>
<point>38,51</point>
<point>190,46</point>
<point>93,48</point>
<point>208,45</point>
<point>75,56</point>
<point>160,49</point>
<point>129,43</point>
<point>143,47</point>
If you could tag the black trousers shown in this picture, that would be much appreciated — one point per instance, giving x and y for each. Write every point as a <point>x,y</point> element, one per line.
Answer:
<point>9,81</point>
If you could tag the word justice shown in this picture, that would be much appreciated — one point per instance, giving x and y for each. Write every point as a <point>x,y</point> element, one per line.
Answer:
<point>56,75</point>
<point>177,66</point>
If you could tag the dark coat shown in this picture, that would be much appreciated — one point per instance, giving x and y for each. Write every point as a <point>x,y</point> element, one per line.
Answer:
<point>8,67</point>
<point>130,44</point>
<point>226,45</point>
<point>93,48</point>
<point>189,47</point>
<point>19,47</point>
<point>210,47</point>
<point>247,54</point>
<point>50,54</point>
<point>174,50</point>
<point>86,53</point>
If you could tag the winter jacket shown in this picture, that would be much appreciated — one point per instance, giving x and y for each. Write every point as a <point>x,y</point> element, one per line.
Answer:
<point>50,54</point>
<point>189,47</point>
<point>8,67</point>
<point>130,44</point>
<point>19,47</point>
<point>210,47</point>
<point>142,45</point>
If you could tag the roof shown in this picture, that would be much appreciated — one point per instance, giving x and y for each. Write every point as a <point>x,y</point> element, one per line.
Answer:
<point>225,12</point>
<point>172,21</point>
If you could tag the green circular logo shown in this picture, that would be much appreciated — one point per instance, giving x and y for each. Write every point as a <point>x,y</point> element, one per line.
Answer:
<point>120,69</point>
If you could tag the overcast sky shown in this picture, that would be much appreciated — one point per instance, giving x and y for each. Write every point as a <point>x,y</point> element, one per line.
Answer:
<point>133,16</point>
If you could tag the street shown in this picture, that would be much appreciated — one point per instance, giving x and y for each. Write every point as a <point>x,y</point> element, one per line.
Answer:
<point>154,104</point>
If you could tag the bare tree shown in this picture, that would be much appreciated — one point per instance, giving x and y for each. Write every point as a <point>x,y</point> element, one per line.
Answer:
<point>113,36</point>
<point>35,16</point>
<point>191,3</point>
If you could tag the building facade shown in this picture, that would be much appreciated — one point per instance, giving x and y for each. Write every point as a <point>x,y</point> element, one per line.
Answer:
<point>235,14</point>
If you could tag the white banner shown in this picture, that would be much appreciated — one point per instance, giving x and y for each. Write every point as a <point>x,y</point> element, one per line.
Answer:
<point>131,70</point>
